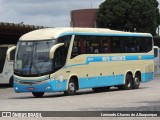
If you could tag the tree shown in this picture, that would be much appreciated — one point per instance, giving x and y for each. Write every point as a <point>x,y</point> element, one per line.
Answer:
<point>129,15</point>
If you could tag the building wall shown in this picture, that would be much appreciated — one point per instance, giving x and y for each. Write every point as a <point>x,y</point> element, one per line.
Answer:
<point>83,18</point>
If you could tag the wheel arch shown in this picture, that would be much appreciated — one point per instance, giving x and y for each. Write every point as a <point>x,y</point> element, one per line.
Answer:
<point>75,77</point>
<point>129,72</point>
<point>138,72</point>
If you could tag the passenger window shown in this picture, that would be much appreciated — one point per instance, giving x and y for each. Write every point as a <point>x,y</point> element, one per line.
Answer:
<point>90,45</point>
<point>75,49</point>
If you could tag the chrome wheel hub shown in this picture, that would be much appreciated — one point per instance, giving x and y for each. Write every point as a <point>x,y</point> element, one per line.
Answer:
<point>71,87</point>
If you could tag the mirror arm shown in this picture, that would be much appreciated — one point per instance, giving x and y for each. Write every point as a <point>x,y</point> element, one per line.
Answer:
<point>53,49</point>
<point>9,51</point>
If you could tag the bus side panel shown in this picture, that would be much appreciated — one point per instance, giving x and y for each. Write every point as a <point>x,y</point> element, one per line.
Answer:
<point>101,81</point>
<point>97,73</point>
<point>148,75</point>
<point>100,74</point>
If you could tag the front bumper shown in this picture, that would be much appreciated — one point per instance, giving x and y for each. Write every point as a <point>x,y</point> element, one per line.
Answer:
<point>50,86</point>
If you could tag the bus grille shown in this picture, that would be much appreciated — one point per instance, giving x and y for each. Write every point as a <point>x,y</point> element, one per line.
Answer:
<point>30,83</point>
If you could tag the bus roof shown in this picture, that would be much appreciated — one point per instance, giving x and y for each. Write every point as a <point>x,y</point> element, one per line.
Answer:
<point>53,33</point>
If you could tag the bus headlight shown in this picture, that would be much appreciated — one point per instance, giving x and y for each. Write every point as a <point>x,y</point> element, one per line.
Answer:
<point>16,88</point>
<point>48,80</point>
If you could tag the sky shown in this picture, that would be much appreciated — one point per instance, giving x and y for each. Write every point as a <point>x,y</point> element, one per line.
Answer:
<point>48,13</point>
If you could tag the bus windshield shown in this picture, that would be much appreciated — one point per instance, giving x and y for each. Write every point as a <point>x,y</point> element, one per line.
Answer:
<point>32,58</point>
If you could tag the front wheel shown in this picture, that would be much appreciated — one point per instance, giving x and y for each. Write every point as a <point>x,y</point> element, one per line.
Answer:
<point>136,82</point>
<point>38,94</point>
<point>72,87</point>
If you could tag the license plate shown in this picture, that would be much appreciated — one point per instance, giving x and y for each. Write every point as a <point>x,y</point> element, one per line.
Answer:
<point>30,88</point>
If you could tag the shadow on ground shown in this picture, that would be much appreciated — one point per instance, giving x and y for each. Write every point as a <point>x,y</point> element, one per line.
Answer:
<point>79,93</point>
<point>151,106</point>
<point>4,86</point>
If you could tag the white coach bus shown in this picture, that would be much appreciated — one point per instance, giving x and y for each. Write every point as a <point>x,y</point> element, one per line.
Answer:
<point>69,59</point>
<point>6,66</point>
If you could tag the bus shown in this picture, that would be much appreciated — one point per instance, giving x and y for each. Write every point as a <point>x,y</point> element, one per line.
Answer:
<point>6,66</point>
<point>69,59</point>
<point>156,60</point>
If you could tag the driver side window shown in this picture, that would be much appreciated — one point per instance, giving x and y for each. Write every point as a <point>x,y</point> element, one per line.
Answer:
<point>59,61</point>
<point>61,52</point>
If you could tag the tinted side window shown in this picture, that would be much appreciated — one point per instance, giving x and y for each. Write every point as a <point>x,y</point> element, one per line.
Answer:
<point>90,45</point>
<point>117,46</point>
<point>66,40</point>
<point>131,44</point>
<point>61,53</point>
<point>60,58</point>
<point>110,44</point>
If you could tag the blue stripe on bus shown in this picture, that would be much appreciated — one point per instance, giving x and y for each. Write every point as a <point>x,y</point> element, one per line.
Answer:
<point>114,58</point>
<point>75,65</point>
<point>96,81</point>
<point>112,80</point>
<point>101,81</point>
<point>147,77</point>
<point>106,34</point>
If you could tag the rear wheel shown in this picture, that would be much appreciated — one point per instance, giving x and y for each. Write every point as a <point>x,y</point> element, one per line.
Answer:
<point>101,89</point>
<point>38,94</point>
<point>72,87</point>
<point>136,82</point>
<point>128,83</point>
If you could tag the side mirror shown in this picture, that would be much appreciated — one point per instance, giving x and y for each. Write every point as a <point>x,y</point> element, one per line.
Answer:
<point>53,49</point>
<point>9,51</point>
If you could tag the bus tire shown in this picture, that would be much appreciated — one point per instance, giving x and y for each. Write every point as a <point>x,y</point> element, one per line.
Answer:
<point>128,82</point>
<point>11,82</point>
<point>136,82</point>
<point>38,94</point>
<point>101,89</point>
<point>72,87</point>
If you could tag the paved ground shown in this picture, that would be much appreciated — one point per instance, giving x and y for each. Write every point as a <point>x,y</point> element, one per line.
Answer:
<point>147,98</point>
